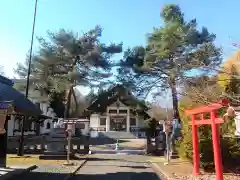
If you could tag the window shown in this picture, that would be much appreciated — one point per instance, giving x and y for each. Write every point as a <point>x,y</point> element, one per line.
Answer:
<point>102,121</point>
<point>122,111</point>
<point>48,125</point>
<point>114,111</point>
<point>132,121</point>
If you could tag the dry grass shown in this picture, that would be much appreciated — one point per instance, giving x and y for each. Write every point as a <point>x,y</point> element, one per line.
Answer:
<point>157,160</point>
<point>132,144</point>
<point>30,160</point>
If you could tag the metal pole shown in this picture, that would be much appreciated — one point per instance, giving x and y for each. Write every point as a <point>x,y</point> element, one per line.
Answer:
<point>20,148</point>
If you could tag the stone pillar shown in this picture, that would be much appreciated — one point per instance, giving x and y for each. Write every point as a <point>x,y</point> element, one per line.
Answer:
<point>128,121</point>
<point>107,123</point>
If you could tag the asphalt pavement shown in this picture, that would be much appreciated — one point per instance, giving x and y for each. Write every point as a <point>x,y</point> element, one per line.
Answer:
<point>116,167</point>
<point>104,167</point>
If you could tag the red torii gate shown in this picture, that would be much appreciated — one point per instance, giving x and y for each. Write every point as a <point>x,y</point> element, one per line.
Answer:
<point>214,121</point>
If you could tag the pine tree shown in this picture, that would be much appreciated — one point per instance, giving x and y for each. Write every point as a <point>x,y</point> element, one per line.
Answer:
<point>66,60</point>
<point>172,51</point>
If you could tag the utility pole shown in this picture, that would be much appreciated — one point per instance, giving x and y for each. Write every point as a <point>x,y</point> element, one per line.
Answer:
<point>20,148</point>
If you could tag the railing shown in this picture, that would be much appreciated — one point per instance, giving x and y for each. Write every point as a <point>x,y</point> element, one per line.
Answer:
<point>38,144</point>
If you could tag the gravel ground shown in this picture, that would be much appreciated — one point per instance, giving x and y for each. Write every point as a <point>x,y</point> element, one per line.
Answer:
<point>206,177</point>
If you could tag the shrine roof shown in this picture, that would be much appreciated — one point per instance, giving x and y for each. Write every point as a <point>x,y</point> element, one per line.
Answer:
<point>117,92</point>
<point>120,93</point>
<point>20,102</point>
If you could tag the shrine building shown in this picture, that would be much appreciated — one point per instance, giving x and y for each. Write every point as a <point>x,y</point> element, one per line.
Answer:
<point>117,110</point>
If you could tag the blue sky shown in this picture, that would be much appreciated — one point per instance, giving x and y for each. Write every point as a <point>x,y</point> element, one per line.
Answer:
<point>126,21</point>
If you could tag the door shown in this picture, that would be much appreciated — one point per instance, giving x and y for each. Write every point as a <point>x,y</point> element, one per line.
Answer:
<point>118,123</point>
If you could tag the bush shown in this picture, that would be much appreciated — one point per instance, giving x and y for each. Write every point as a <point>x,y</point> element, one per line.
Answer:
<point>228,147</point>
<point>228,143</point>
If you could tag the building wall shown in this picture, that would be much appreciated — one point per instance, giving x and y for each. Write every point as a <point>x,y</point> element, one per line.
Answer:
<point>94,121</point>
<point>95,118</point>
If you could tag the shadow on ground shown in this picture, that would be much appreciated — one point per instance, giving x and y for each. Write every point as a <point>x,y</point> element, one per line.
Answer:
<point>107,176</point>
<point>117,159</point>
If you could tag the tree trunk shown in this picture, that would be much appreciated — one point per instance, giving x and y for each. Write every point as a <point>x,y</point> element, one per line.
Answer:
<point>175,99</point>
<point>75,112</point>
<point>68,103</point>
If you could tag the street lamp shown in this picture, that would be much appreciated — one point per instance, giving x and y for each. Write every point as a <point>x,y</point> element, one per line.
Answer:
<point>20,149</point>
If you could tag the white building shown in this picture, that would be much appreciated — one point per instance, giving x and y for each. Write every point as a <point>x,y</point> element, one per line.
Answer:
<point>117,110</point>
<point>41,100</point>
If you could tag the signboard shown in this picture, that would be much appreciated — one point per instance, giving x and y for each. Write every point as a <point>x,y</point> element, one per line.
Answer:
<point>117,119</point>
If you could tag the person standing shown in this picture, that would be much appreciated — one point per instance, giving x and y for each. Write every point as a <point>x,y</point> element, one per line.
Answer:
<point>234,111</point>
<point>167,136</point>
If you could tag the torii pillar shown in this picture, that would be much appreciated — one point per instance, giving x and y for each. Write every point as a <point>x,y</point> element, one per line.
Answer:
<point>214,121</point>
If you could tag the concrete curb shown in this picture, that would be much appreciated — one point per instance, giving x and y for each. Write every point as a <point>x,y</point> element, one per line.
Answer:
<point>17,172</point>
<point>161,174</point>
<point>76,170</point>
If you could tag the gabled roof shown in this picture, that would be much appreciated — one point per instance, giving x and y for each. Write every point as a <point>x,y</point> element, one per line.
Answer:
<point>20,102</point>
<point>115,93</point>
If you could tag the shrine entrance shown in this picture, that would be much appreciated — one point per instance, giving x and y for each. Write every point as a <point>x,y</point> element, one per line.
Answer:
<point>118,123</point>
<point>214,122</point>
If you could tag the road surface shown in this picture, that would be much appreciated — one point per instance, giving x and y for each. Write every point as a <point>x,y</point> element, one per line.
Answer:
<point>100,167</point>
<point>116,167</point>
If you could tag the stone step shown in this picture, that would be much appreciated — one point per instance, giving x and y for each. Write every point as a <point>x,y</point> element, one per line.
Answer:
<point>118,152</point>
